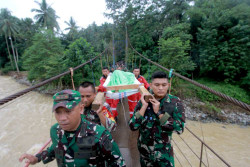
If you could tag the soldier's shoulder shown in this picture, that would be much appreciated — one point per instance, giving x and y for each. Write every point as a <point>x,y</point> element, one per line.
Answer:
<point>173,98</point>
<point>54,127</point>
<point>98,129</point>
<point>53,130</point>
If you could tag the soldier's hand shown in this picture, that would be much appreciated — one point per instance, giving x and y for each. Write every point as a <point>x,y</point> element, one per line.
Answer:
<point>29,159</point>
<point>144,103</point>
<point>82,108</point>
<point>100,108</point>
<point>155,104</point>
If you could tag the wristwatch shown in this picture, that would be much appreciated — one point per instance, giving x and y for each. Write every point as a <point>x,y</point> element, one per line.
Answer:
<point>39,157</point>
<point>159,113</point>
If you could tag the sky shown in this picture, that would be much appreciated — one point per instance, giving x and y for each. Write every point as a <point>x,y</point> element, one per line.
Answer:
<point>84,12</point>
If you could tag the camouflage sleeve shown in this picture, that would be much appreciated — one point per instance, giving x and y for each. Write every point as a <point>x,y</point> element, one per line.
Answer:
<point>49,154</point>
<point>177,121</point>
<point>110,121</point>
<point>110,151</point>
<point>136,120</point>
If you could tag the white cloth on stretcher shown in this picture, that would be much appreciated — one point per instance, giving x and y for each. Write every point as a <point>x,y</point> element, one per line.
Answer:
<point>119,95</point>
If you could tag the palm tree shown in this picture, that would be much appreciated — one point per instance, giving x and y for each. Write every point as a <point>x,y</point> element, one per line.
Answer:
<point>9,28</point>
<point>72,27</point>
<point>46,16</point>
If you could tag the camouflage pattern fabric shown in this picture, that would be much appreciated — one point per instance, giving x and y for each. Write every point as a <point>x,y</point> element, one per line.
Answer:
<point>66,98</point>
<point>154,142</point>
<point>92,116</point>
<point>89,145</point>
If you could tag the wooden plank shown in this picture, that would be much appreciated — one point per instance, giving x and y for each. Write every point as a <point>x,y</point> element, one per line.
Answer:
<point>98,99</point>
<point>118,87</point>
<point>147,96</point>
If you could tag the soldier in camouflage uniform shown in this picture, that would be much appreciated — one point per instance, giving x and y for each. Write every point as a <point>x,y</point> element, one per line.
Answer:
<point>77,142</point>
<point>156,121</point>
<point>104,117</point>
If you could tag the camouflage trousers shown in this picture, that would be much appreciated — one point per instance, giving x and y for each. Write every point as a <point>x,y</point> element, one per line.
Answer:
<point>165,159</point>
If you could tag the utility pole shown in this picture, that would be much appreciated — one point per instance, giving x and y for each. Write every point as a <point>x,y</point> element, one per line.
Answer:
<point>126,49</point>
<point>113,50</point>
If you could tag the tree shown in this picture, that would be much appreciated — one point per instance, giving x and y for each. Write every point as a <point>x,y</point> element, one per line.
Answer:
<point>174,48</point>
<point>9,28</point>
<point>79,52</point>
<point>223,40</point>
<point>43,59</point>
<point>72,27</point>
<point>46,16</point>
<point>145,21</point>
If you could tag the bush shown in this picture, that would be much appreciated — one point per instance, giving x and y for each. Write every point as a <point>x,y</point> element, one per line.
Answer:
<point>188,90</point>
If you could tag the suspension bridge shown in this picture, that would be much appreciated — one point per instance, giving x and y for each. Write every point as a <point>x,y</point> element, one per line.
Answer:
<point>127,140</point>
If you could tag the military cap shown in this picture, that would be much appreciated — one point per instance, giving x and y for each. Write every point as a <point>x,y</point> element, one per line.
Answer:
<point>66,98</point>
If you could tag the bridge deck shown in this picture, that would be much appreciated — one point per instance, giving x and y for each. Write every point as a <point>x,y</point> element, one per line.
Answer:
<point>125,138</point>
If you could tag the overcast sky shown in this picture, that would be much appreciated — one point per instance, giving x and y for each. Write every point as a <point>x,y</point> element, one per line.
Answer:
<point>84,12</point>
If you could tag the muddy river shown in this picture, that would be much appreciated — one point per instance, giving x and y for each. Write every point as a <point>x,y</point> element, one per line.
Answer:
<point>25,123</point>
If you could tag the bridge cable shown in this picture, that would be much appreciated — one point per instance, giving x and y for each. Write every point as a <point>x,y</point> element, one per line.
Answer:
<point>191,149</point>
<point>178,159</point>
<point>228,98</point>
<point>208,147</point>
<point>182,153</point>
<point>18,94</point>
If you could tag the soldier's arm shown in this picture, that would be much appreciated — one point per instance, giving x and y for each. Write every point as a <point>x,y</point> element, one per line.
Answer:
<point>110,150</point>
<point>49,154</point>
<point>177,121</point>
<point>137,119</point>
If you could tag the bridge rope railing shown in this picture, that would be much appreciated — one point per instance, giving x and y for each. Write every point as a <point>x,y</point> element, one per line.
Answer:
<point>204,144</point>
<point>228,98</point>
<point>18,94</point>
<point>232,100</point>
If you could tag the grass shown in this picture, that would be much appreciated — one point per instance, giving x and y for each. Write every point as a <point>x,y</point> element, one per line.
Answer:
<point>188,90</point>
<point>212,104</point>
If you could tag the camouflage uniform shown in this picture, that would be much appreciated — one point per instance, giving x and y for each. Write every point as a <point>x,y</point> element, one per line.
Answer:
<point>92,116</point>
<point>154,142</point>
<point>89,145</point>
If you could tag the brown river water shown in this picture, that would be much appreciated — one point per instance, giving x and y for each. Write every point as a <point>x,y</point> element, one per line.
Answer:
<point>25,123</point>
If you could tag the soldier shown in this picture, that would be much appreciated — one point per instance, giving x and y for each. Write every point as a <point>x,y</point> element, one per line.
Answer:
<point>104,117</point>
<point>156,121</point>
<point>76,141</point>
<point>133,99</point>
<point>112,102</point>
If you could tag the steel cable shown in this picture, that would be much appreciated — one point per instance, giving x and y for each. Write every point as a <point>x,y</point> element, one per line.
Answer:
<point>11,97</point>
<point>182,153</point>
<point>208,147</point>
<point>191,149</point>
<point>228,98</point>
<point>177,159</point>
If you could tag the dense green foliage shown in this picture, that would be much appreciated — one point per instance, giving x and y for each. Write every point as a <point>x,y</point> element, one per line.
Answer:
<point>187,90</point>
<point>200,38</point>
<point>43,58</point>
<point>78,53</point>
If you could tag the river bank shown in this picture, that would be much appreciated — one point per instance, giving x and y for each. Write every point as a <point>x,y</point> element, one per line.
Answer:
<point>196,110</point>
<point>26,121</point>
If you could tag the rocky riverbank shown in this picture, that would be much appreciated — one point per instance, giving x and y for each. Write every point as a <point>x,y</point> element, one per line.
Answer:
<point>221,112</point>
<point>195,109</point>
